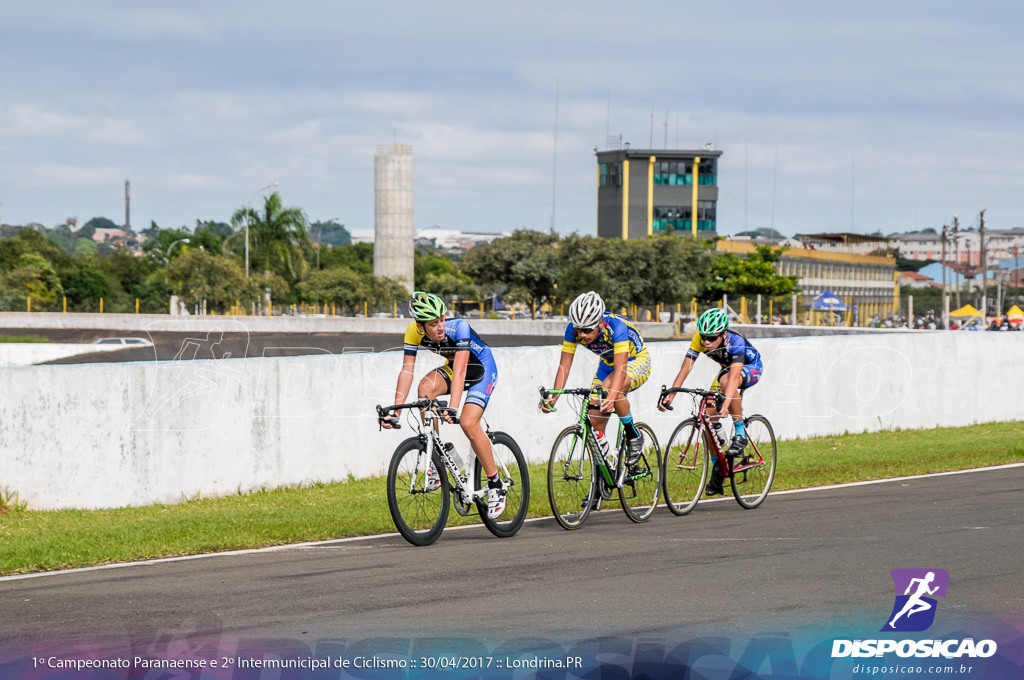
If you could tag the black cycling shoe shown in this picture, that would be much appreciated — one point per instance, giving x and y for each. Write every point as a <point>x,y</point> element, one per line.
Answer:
<point>594,504</point>
<point>636,447</point>
<point>714,487</point>
<point>739,442</point>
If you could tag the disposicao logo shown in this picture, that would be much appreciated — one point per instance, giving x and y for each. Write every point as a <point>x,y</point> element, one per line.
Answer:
<point>913,611</point>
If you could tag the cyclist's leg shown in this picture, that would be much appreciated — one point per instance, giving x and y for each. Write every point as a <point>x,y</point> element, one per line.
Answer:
<point>603,378</point>
<point>637,371</point>
<point>748,377</point>
<point>434,384</point>
<point>478,393</point>
<point>470,422</point>
<point>716,477</point>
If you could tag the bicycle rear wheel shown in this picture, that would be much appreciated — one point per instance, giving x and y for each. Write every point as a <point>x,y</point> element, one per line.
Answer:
<point>419,514</point>
<point>514,473</point>
<point>641,485</point>
<point>754,470</point>
<point>686,467</point>
<point>571,486</point>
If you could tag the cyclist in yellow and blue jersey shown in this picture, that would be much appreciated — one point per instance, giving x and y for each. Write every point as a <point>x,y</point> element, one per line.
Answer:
<point>469,368</point>
<point>741,368</point>
<point>625,364</point>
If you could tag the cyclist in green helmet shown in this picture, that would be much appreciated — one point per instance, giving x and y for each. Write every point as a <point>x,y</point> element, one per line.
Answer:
<point>469,369</point>
<point>740,368</point>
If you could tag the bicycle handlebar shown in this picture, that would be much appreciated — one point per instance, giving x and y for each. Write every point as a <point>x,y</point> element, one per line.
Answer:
<point>438,406</point>
<point>580,391</point>
<point>665,391</point>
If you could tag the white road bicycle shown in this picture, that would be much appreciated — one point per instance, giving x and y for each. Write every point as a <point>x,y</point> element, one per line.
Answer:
<point>420,507</point>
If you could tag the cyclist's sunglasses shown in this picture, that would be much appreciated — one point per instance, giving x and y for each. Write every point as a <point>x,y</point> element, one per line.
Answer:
<point>711,338</point>
<point>584,331</point>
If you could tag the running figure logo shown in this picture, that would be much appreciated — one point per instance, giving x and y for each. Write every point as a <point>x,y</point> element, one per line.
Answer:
<point>914,610</point>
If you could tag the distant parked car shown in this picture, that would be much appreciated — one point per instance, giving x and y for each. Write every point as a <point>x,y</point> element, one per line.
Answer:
<point>123,342</point>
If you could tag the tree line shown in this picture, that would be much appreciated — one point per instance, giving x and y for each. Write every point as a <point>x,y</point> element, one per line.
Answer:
<point>54,269</point>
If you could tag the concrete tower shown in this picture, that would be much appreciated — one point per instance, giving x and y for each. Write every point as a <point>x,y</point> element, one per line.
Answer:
<point>393,231</point>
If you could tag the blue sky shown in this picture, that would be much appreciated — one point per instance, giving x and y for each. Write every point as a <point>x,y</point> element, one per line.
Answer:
<point>868,116</point>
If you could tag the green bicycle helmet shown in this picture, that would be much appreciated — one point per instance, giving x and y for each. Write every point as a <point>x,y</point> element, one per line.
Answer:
<point>713,321</point>
<point>426,306</point>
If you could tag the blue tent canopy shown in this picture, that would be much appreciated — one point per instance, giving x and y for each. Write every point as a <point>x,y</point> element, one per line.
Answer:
<point>828,302</point>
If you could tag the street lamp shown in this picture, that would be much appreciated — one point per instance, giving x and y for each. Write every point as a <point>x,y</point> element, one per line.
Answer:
<point>248,209</point>
<point>167,256</point>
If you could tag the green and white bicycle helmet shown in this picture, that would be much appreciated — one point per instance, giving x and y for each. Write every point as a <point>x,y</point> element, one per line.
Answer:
<point>586,310</point>
<point>426,306</point>
<point>713,321</point>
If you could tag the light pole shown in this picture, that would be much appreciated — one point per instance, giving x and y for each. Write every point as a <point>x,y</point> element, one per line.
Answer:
<point>167,256</point>
<point>248,209</point>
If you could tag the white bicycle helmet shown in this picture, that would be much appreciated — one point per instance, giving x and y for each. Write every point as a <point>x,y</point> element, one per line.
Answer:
<point>586,310</point>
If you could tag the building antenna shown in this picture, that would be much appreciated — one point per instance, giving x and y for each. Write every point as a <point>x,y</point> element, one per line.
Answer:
<point>775,183</point>
<point>650,144</point>
<point>853,189</point>
<point>746,187</point>
<point>608,116</point>
<point>554,163</point>
<point>666,128</point>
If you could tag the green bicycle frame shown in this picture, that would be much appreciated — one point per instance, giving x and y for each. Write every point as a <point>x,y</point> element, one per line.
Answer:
<point>588,432</point>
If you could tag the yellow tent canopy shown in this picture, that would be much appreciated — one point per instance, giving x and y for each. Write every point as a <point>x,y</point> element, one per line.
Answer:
<point>966,310</point>
<point>1015,314</point>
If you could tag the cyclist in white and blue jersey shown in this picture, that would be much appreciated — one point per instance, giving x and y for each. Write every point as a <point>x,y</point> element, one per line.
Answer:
<point>741,368</point>
<point>625,363</point>
<point>469,368</point>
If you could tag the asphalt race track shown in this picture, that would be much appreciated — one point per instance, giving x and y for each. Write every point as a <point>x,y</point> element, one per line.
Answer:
<point>808,563</point>
<point>168,346</point>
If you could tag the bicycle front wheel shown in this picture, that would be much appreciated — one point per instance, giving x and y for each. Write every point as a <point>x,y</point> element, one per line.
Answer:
<point>419,512</point>
<point>514,473</point>
<point>686,467</point>
<point>754,470</point>
<point>571,487</point>
<point>641,485</point>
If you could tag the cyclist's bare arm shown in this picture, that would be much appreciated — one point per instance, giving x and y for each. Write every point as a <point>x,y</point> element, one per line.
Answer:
<point>561,376</point>
<point>403,386</point>
<point>459,364</point>
<point>684,371</point>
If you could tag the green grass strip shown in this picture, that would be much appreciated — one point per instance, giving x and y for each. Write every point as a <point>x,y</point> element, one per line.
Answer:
<point>47,540</point>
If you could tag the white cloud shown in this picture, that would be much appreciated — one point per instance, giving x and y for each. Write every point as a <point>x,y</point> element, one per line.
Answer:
<point>24,120</point>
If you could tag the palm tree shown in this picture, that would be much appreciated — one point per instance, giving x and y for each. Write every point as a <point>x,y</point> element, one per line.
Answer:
<point>276,237</point>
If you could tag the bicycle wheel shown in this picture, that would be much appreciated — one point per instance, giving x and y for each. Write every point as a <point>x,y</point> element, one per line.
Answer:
<point>641,485</point>
<point>513,471</point>
<point>571,486</point>
<point>685,471</point>
<point>754,471</point>
<point>419,514</point>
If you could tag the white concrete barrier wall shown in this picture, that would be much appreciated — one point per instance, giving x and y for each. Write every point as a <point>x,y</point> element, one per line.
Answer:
<point>29,353</point>
<point>109,435</point>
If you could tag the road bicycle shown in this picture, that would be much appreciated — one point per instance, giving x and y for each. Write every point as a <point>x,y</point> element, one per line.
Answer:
<point>696,440</point>
<point>580,479</point>
<point>420,507</point>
